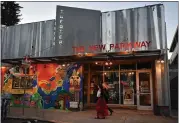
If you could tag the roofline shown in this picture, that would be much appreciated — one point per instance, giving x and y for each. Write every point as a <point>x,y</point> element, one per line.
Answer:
<point>29,23</point>
<point>173,38</point>
<point>135,7</point>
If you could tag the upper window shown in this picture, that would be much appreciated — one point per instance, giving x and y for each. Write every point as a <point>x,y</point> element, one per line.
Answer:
<point>144,65</point>
<point>128,67</point>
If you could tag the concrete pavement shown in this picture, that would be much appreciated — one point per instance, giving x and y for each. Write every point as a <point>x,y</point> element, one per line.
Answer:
<point>119,116</point>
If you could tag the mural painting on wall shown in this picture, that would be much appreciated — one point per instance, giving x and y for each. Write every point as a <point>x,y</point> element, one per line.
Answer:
<point>53,86</point>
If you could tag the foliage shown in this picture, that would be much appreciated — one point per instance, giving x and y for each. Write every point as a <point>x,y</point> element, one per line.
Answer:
<point>10,13</point>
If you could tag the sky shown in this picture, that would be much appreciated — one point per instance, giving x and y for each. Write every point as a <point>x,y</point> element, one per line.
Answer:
<point>40,11</point>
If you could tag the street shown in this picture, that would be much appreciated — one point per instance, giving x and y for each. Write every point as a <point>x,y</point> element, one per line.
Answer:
<point>119,116</point>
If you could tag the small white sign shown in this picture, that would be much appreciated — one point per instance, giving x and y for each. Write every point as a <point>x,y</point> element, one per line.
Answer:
<point>73,104</point>
<point>128,96</point>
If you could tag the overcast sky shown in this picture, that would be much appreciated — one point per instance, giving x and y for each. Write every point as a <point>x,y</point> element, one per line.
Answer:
<point>40,11</point>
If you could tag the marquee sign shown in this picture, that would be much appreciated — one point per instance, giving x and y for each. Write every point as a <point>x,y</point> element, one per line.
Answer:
<point>123,46</point>
<point>90,31</point>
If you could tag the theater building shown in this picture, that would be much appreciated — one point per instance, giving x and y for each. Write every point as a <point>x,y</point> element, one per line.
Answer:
<point>80,48</point>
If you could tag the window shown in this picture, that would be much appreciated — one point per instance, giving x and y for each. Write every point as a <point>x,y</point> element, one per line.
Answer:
<point>128,67</point>
<point>111,68</point>
<point>144,65</point>
<point>112,79</point>
<point>86,67</point>
<point>96,78</point>
<point>97,67</point>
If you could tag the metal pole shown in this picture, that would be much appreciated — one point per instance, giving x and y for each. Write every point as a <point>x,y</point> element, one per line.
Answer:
<point>167,71</point>
<point>23,104</point>
<point>24,91</point>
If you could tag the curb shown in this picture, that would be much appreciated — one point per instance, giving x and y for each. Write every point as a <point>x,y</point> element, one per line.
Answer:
<point>32,118</point>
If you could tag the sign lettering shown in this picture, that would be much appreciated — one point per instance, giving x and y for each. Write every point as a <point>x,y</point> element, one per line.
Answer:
<point>61,27</point>
<point>118,46</point>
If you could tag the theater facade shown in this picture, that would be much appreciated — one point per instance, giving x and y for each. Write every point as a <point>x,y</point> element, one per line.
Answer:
<point>70,55</point>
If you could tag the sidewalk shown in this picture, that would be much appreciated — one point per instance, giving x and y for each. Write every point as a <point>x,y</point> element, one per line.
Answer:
<point>119,116</point>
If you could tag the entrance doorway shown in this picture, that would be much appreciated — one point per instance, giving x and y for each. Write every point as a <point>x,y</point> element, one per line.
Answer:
<point>144,90</point>
<point>95,80</point>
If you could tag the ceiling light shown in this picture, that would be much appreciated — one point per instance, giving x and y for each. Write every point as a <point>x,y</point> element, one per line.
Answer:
<point>110,63</point>
<point>162,61</point>
<point>106,63</point>
<point>158,61</point>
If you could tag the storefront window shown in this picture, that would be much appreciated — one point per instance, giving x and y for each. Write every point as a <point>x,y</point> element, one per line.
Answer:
<point>111,68</point>
<point>97,67</point>
<point>145,65</point>
<point>128,67</point>
<point>96,78</point>
<point>86,67</point>
<point>112,79</point>
<point>128,88</point>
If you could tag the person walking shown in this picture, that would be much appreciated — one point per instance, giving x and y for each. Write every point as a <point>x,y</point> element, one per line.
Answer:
<point>101,106</point>
<point>5,103</point>
<point>106,96</point>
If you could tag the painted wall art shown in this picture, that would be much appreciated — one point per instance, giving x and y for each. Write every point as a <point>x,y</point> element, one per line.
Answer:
<point>53,86</point>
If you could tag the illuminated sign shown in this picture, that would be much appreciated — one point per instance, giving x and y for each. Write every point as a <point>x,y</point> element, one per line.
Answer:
<point>118,46</point>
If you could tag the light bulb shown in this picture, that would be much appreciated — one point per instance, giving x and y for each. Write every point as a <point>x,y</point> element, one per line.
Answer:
<point>158,61</point>
<point>162,61</point>
<point>110,63</point>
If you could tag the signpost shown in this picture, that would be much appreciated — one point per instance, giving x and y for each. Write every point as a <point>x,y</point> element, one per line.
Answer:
<point>26,64</point>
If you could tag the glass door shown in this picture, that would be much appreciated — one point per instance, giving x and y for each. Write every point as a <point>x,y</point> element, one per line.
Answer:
<point>144,90</point>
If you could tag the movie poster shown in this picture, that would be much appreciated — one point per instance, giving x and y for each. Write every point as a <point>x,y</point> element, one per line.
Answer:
<point>128,96</point>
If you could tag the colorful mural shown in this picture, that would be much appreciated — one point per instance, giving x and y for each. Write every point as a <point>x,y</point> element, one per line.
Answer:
<point>53,86</point>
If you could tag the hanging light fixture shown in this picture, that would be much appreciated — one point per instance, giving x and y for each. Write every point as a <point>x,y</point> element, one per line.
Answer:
<point>106,63</point>
<point>162,61</point>
<point>96,63</point>
<point>110,63</point>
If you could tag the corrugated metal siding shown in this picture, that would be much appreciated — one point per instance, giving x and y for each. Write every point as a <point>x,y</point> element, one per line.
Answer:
<point>108,29</point>
<point>137,24</point>
<point>28,39</point>
<point>82,28</point>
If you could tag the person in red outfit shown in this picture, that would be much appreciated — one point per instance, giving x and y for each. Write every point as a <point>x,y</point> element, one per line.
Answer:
<point>101,106</point>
